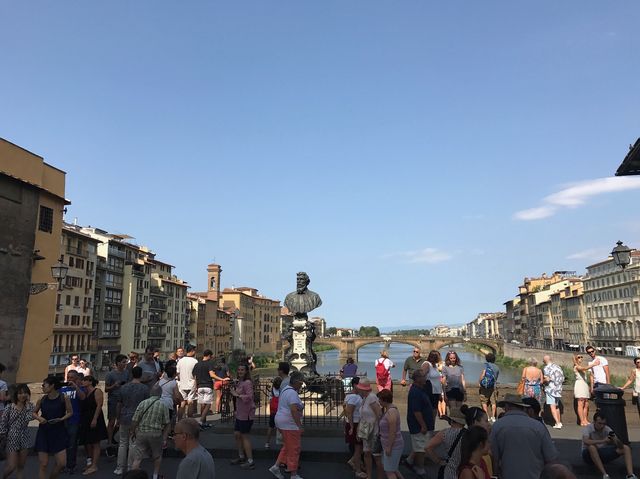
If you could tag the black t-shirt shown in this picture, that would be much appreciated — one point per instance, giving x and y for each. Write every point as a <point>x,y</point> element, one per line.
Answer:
<point>201,373</point>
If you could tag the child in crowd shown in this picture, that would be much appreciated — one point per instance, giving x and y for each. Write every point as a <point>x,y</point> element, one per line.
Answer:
<point>274,396</point>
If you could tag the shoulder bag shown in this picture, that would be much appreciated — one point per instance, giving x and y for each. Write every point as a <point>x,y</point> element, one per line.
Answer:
<point>453,448</point>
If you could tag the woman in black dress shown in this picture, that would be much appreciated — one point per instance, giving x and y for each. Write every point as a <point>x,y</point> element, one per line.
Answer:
<point>52,438</point>
<point>92,426</point>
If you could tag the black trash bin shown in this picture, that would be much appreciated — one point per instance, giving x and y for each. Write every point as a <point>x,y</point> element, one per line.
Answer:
<point>610,403</point>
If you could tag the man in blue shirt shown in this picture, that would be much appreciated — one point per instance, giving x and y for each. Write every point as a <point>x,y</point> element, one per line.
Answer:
<point>75,393</point>
<point>419,419</point>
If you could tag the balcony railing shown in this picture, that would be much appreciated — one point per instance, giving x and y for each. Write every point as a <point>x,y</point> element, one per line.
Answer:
<point>77,251</point>
<point>116,252</point>
<point>110,334</point>
<point>158,305</point>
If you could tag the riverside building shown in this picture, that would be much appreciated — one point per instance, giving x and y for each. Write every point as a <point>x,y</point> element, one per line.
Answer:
<point>612,305</point>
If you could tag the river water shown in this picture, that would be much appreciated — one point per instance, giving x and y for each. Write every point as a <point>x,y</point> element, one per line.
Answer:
<point>472,361</point>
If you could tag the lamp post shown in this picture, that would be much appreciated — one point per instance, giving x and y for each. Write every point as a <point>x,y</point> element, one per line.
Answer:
<point>59,272</point>
<point>621,255</point>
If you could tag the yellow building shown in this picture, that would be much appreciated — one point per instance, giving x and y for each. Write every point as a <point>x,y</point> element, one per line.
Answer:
<point>211,324</point>
<point>256,320</point>
<point>72,329</point>
<point>31,207</point>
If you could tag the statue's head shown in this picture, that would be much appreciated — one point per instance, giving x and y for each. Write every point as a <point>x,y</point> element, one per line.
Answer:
<point>302,281</point>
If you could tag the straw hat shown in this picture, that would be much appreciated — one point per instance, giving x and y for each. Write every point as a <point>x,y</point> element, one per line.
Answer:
<point>364,385</point>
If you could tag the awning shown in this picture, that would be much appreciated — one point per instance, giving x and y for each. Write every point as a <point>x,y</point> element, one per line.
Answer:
<point>618,348</point>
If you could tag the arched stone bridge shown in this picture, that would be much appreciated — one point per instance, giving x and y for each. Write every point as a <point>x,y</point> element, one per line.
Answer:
<point>348,347</point>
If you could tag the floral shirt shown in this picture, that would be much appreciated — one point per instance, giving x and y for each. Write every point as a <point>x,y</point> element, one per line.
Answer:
<point>556,378</point>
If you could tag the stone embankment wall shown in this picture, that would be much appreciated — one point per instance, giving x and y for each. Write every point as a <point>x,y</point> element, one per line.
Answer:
<point>619,366</point>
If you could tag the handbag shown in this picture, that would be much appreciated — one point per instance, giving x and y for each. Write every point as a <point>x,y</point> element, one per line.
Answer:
<point>365,429</point>
<point>520,388</point>
<point>453,448</point>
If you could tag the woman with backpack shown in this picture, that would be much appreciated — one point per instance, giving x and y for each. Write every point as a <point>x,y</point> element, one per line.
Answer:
<point>383,367</point>
<point>488,390</point>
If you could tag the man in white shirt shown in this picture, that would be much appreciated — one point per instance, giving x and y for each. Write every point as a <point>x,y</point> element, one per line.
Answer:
<point>600,371</point>
<point>186,382</point>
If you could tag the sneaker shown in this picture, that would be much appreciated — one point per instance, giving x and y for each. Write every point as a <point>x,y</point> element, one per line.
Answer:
<point>296,476</point>
<point>632,476</point>
<point>248,465</point>
<point>118,471</point>
<point>275,470</point>
<point>605,476</point>
<point>267,445</point>
<point>89,462</point>
<point>557,425</point>
<point>238,460</point>
<point>420,471</point>
<point>204,426</point>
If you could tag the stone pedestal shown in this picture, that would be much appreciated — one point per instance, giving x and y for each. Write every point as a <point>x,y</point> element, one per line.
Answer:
<point>300,354</point>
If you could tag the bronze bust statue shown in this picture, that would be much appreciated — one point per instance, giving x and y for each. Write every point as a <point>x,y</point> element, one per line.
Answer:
<point>302,332</point>
<point>303,300</point>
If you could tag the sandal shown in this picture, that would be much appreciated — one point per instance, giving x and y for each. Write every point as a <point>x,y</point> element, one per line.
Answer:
<point>361,475</point>
<point>351,465</point>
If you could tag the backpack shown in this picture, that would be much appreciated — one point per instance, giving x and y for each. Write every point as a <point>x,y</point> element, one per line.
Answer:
<point>382,373</point>
<point>489,379</point>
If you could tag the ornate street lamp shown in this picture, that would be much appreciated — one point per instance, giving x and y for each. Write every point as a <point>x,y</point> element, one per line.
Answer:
<point>621,255</point>
<point>59,272</point>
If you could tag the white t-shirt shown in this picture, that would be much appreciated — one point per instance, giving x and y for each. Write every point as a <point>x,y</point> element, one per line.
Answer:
<point>599,376</point>
<point>589,432</point>
<point>284,419</point>
<point>185,373</point>
<point>354,400</point>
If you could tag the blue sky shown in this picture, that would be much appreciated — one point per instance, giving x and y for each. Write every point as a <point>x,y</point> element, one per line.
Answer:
<point>417,159</point>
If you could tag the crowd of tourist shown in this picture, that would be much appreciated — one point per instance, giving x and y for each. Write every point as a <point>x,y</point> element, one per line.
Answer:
<point>478,442</point>
<point>149,402</point>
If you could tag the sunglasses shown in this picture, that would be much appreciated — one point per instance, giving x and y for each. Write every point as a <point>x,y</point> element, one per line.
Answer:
<point>579,357</point>
<point>591,352</point>
<point>416,351</point>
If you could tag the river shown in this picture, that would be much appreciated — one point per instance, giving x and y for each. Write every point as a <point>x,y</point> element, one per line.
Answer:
<point>472,361</point>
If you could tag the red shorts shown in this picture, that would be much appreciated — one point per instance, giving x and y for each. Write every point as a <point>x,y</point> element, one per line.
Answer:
<point>217,385</point>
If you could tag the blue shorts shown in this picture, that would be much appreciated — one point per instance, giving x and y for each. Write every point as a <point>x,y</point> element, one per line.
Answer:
<point>552,400</point>
<point>606,453</point>
<point>243,427</point>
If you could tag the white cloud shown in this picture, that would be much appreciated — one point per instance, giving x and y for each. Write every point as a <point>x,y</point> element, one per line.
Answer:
<point>594,254</point>
<point>426,255</point>
<point>577,194</point>
<point>535,213</point>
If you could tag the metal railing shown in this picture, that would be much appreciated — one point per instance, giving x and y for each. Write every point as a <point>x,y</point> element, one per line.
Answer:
<point>322,401</point>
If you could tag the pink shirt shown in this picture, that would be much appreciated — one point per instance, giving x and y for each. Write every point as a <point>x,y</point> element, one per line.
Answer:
<point>245,407</point>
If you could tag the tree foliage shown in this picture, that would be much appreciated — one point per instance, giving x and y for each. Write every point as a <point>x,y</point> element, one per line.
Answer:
<point>332,331</point>
<point>369,331</point>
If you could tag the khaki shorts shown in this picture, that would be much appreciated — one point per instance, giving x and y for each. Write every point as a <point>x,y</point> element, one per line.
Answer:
<point>488,395</point>
<point>205,396</point>
<point>147,444</point>
<point>188,395</point>
<point>419,442</point>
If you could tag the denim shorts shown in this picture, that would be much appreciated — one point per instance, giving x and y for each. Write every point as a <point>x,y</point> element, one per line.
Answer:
<point>606,453</point>
<point>552,400</point>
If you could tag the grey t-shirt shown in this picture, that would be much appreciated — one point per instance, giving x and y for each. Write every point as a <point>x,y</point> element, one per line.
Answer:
<point>131,394</point>
<point>453,375</point>
<point>198,464</point>
<point>115,377</point>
